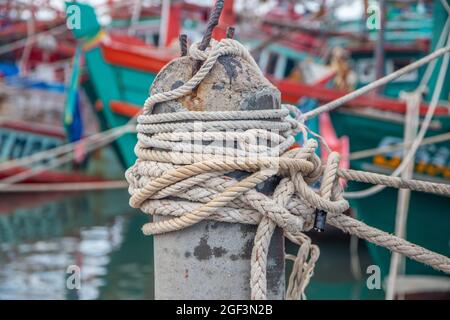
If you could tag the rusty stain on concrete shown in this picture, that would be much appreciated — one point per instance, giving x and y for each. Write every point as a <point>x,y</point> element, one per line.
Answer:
<point>247,249</point>
<point>203,251</point>
<point>214,225</point>
<point>234,257</point>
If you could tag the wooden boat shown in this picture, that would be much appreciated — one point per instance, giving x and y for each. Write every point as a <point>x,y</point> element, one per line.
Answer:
<point>32,41</point>
<point>149,23</point>
<point>33,95</point>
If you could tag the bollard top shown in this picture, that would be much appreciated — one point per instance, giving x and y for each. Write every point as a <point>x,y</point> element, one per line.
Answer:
<point>231,85</point>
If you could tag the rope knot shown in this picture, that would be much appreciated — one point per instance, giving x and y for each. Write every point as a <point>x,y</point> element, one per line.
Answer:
<point>224,46</point>
<point>184,173</point>
<point>201,55</point>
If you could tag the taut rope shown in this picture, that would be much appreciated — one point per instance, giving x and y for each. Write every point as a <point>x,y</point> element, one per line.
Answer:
<point>182,169</point>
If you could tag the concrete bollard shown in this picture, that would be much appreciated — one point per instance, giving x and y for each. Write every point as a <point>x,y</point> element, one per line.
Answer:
<point>211,260</point>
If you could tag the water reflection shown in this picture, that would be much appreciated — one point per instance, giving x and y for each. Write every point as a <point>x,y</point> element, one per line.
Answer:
<point>41,235</point>
<point>96,231</point>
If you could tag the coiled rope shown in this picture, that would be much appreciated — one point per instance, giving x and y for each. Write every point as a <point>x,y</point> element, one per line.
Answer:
<point>181,172</point>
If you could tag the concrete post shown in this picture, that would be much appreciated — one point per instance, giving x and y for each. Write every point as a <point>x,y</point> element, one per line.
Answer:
<point>211,260</point>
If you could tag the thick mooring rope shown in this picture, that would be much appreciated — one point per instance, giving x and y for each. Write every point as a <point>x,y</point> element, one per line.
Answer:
<point>182,170</point>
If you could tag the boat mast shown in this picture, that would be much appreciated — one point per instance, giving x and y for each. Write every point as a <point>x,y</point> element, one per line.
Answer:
<point>165,12</point>
<point>379,48</point>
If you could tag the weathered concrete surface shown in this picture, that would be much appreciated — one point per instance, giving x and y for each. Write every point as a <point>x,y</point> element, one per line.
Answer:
<point>211,260</point>
<point>231,85</point>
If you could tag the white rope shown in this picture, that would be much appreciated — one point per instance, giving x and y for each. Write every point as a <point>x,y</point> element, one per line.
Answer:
<point>432,65</point>
<point>166,175</point>
<point>160,174</point>
<point>446,6</point>
<point>410,133</point>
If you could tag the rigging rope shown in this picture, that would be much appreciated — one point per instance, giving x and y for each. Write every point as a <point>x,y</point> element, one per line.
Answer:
<point>398,146</point>
<point>397,263</point>
<point>64,152</point>
<point>420,135</point>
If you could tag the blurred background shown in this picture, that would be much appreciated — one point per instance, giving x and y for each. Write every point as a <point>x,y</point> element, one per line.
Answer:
<point>73,74</point>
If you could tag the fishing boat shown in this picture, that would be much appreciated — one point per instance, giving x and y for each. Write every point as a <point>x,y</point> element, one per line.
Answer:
<point>148,23</point>
<point>28,40</point>
<point>31,112</point>
<point>120,70</point>
<point>35,62</point>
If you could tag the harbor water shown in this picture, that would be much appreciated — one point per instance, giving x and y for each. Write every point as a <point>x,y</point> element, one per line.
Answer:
<point>45,239</point>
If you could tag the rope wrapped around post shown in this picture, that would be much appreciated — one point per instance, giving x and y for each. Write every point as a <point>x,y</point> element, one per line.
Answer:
<point>184,158</point>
